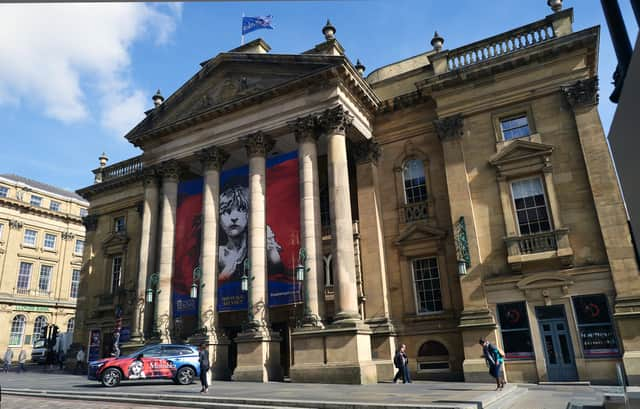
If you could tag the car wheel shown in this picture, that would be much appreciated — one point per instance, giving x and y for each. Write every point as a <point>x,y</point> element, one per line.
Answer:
<point>111,377</point>
<point>185,375</point>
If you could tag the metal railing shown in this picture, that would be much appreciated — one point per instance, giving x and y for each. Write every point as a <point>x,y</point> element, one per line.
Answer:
<point>414,211</point>
<point>501,44</point>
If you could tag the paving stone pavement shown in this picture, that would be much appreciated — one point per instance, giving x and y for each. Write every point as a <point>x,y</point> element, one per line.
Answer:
<point>21,402</point>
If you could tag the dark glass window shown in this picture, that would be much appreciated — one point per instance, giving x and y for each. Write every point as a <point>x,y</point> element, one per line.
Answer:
<point>415,186</point>
<point>514,326</point>
<point>597,334</point>
<point>531,206</point>
<point>427,283</point>
<point>515,127</point>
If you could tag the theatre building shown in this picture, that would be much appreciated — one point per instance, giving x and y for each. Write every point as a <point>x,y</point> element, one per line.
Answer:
<point>304,219</point>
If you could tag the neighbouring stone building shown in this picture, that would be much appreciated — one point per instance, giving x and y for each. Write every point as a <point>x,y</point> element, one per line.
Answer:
<point>41,247</point>
<point>453,195</point>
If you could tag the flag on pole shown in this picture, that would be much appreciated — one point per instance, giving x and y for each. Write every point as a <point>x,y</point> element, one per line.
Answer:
<point>250,24</point>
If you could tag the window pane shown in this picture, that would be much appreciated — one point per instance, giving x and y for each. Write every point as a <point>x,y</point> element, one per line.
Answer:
<point>527,188</point>
<point>591,309</point>
<point>118,224</point>
<point>71,324</point>
<point>79,247</point>
<point>116,273</point>
<point>515,127</point>
<point>55,206</point>
<point>598,341</point>
<point>531,207</point>
<point>36,200</point>
<point>1,230</point>
<point>49,241</point>
<point>30,237</point>
<point>83,212</point>
<point>513,316</point>
<point>17,330</point>
<point>414,181</point>
<point>75,282</point>
<point>45,278</point>
<point>517,344</point>
<point>38,326</point>
<point>427,285</point>
<point>24,276</point>
<point>4,191</point>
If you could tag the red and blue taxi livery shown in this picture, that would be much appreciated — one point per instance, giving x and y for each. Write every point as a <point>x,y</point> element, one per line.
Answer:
<point>164,361</point>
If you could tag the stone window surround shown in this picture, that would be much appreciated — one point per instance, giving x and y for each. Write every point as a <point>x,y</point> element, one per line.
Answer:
<point>508,113</point>
<point>546,200</point>
<point>37,199</point>
<point>75,247</point>
<point>415,290</point>
<point>434,359</point>
<point>54,206</point>
<point>124,223</point>
<point>35,239</point>
<point>49,280</point>
<point>22,329</point>
<point>4,191</point>
<point>44,240</point>
<point>112,289</point>
<point>526,166</point>
<point>412,152</point>
<point>407,263</point>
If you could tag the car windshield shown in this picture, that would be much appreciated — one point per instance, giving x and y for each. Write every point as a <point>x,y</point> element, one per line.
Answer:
<point>136,353</point>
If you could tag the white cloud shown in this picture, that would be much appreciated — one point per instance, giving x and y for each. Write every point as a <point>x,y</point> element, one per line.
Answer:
<point>50,54</point>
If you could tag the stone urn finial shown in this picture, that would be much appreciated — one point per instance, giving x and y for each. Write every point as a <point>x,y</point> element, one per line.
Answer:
<point>360,68</point>
<point>329,31</point>
<point>157,98</point>
<point>437,41</point>
<point>556,5</point>
<point>103,159</point>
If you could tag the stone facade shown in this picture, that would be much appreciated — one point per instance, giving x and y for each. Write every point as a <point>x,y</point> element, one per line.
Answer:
<point>455,195</point>
<point>41,246</point>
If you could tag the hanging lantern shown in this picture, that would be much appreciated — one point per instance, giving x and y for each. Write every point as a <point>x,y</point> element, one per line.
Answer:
<point>300,272</point>
<point>194,290</point>
<point>462,268</point>
<point>149,295</point>
<point>244,284</point>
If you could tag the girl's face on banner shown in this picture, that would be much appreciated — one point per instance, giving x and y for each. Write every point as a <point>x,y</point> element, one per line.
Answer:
<point>233,221</point>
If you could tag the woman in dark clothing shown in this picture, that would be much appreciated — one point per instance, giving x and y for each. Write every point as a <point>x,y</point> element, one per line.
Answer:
<point>203,358</point>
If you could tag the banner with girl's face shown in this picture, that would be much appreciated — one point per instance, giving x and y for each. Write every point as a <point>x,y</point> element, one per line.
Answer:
<point>282,233</point>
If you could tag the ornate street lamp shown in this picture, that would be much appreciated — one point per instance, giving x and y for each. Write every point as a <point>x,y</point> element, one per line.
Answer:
<point>246,285</point>
<point>197,276</point>
<point>301,273</point>
<point>152,286</point>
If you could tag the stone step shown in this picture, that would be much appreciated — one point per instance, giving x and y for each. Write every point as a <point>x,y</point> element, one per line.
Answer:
<point>216,402</point>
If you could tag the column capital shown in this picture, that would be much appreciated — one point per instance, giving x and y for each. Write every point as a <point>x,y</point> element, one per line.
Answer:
<point>15,224</point>
<point>150,175</point>
<point>305,128</point>
<point>258,144</point>
<point>450,127</point>
<point>335,120</point>
<point>213,157</point>
<point>366,151</point>
<point>583,93</point>
<point>90,222</point>
<point>170,170</point>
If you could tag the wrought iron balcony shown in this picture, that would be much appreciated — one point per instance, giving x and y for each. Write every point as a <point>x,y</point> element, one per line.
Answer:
<point>414,212</point>
<point>539,246</point>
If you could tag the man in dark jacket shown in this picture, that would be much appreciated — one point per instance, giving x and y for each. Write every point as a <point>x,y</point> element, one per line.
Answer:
<point>203,358</point>
<point>402,363</point>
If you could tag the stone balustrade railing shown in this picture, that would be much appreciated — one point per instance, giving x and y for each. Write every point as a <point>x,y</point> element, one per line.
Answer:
<point>127,167</point>
<point>28,292</point>
<point>501,44</point>
<point>414,211</point>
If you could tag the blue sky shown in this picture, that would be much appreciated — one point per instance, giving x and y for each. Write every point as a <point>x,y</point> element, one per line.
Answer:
<point>74,78</point>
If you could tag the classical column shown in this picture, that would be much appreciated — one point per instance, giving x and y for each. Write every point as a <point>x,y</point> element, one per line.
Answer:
<point>335,122</point>
<point>583,99</point>
<point>170,173</point>
<point>147,256</point>
<point>212,159</point>
<point>258,145</point>
<point>305,131</point>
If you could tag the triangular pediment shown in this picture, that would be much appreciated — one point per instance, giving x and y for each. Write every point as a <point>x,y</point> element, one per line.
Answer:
<point>419,232</point>
<point>544,280</point>
<point>519,150</point>
<point>231,78</point>
<point>115,243</point>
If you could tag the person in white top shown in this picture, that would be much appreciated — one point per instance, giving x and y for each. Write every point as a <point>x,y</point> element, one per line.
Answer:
<point>8,359</point>
<point>80,358</point>
<point>22,358</point>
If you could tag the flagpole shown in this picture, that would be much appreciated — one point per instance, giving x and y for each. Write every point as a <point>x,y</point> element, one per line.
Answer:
<point>242,36</point>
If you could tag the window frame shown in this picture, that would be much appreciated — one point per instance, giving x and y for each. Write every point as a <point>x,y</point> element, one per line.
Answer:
<point>116,228</point>
<point>54,205</point>
<point>1,230</point>
<point>44,241</point>
<point>514,330</point>
<point>115,286</point>
<point>75,248</point>
<point>35,238</point>
<point>513,112</point>
<point>546,204</point>
<point>44,267</point>
<point>13,333</point>
<point>75,284</point>
<point>20,272</point>
<point>37,335</point>
<point>415,288</point>
<point>424,174</point>
<point>35,200</point>
<point>4,191</point>
<point>83,212</point>
<point>504,119</point>
<point>611,324</point>
<point>73,326</point>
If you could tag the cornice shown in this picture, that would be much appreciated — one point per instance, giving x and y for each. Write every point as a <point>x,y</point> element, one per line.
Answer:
<point>90,191</point>
<point>24,207</point>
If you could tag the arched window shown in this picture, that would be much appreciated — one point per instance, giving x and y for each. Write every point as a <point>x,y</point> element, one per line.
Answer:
<point>433,357</point>
<point>17,330</point>
<point>415,184</point>
<point>71,324</point>
<point>41,322</point>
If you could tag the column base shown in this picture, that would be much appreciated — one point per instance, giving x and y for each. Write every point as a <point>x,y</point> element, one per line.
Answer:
<point>476,324</point>
<point>631,361</point>
<point>258,357</point>
<point>383,347</point>
<point>218,346</point>
<point>336,354</point>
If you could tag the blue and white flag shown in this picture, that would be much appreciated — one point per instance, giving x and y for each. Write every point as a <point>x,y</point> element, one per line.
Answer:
<point>250,24</point>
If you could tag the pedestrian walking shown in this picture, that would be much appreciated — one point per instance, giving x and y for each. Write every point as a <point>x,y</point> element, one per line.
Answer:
<point>22,359</point>
<point>401,361</point>
<point>61,358</point>
<point>495,360</point>
<point>8,359</point>
<point>80,357</point>
<point>203,358</point>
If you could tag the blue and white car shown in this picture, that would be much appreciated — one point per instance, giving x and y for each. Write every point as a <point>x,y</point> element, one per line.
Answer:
<point>161,361</point>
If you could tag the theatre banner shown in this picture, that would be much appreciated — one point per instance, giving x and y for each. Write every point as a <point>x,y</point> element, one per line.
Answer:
<point>187,247</point>
<point>282,236</point>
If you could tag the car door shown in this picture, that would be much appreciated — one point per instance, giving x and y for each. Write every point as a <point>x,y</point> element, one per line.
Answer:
<point>176,355</point>
<point>152,362</point>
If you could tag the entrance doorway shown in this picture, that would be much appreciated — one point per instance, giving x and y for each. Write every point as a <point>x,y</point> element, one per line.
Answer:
<point>558,350</point>
<point>282,328</point>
